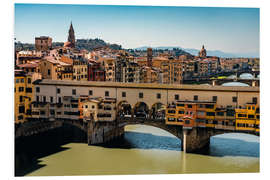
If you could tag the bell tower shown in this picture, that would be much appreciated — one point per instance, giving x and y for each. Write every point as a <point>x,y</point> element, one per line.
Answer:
<point>71,36</point>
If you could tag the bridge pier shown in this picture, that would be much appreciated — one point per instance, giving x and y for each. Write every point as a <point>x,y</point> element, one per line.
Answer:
<point>195,139</point>
<point>102,132</point>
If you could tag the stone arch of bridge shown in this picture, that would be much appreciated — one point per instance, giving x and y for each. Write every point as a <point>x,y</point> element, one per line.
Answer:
<point>220,132</point>
<point>176,131</point>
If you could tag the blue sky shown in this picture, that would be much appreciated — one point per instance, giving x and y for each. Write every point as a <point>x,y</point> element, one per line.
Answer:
<point>234,30</point>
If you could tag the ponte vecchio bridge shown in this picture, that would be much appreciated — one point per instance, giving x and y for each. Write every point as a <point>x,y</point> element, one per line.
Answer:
<point>133,94</point>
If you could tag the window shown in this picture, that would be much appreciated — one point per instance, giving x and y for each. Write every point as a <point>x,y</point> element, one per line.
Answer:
<point>37,89</point>
<point>209,106</point>
<point>234,99</point>
<point>250,116</point>
<point>140,95</point>
<point>49,72</point>
<point>210,113</point>
<point>187,121</point>
<point>52,112</point>
<point>21,109</point>
<point>73,91</point>
<point>180,105</point>
<point>21,98</point>
<point>107,93</point>
<point>37,98</point>
<point>51,99</point>
<point>29,80</point>
<point>171,111</point>
<point>220,113</point>
<point>176,97</point>
<point>22,80</point>
<point>90,92</point>
<point>214,98</point>
<point>242,115</point>
<point>86,106</point>
<point>158,95</point>
<point>28,90</point>
<point>21,89</point>
<point>230,113</point>
<point>59,99</point>
<point>14,89</point>
<point>181,112</point>
<point>189,106</point>
<point>195,98</point>
<point>93,107</point>
<point>58,91</point>
<point>171,119</point>
<point>17,81</point>
<point>123,94</point>
<point>254,100</point>
<point>44,98</point>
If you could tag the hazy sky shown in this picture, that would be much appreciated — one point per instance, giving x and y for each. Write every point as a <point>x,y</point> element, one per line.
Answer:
<point>234,30</point>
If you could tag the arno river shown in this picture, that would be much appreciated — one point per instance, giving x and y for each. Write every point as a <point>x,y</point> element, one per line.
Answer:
<point>148,150</point>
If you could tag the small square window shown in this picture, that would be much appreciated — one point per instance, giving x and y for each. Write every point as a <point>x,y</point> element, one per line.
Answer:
<point>234,99</point>
<point>58,91</point>
<point>90,92</point>
<point>255,100</point>
<point>176,97</point>
<point>140,95</point>
<point>214,98</point>
<point>195,98</point>
<point>158,95</point>
<point>73,91</point>
<point>123,94</point>
<point>107,93</point>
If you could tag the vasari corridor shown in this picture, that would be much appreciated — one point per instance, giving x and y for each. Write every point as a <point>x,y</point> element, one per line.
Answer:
<point>161,95</point>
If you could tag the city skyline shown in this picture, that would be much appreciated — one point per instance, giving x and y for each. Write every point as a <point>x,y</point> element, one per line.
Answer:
<point>234,30</point>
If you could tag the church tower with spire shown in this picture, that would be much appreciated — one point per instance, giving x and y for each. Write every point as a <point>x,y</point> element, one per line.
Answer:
<point>71,36</point>
<point>202,53</point>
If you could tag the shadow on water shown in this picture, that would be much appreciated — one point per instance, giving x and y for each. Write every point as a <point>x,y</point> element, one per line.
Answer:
<point>144,141</point>
<point>29,150</point>
<point>220,146</point>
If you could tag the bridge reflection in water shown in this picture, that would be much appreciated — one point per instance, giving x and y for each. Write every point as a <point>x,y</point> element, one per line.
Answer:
<point>148,150</point>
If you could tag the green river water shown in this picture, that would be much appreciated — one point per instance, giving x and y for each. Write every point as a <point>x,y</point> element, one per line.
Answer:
<point>149,150</point>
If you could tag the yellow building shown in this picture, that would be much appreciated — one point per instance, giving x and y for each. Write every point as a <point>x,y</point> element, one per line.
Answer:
<point>257,122</point>
<point>171,115</point>
<point>23,96</point>
<point>246,118</point>
<point>80,69</point>
<point>210,109</point>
